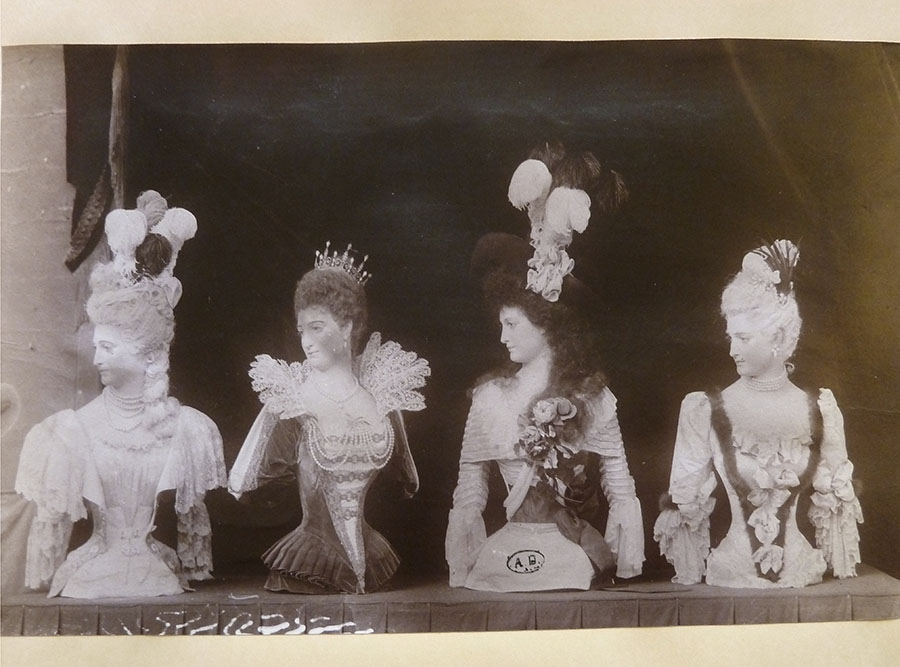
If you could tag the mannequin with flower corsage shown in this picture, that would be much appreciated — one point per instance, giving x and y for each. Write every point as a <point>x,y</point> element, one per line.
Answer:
<point>771,444</point>
<point>112,458</point>
<point>547,419</point>
<point>332,423</point>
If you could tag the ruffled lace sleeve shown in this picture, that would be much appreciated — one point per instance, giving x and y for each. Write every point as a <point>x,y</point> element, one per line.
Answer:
<point>835,510</point>
<point>624,527</point>
<point>465,529</point>
<point>392,375</point>
<point>201,469</point>
<point>683,529</point>
<point>51,475</point>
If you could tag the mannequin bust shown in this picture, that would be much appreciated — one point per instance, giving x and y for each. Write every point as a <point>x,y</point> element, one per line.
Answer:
<point>770,443</point>
<point>113,457</point>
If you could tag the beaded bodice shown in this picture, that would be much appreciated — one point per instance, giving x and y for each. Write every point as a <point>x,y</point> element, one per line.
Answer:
<point>359,446</point>
<point>335,465</point>
<point>346,464</point>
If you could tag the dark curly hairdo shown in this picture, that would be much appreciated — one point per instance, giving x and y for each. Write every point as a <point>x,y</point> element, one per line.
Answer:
<point>337,292</point>
<point>152,255</point>
<point>573,342</point>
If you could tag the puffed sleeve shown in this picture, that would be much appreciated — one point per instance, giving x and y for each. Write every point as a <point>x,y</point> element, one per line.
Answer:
<point>465,529</point>
<point>201,468</point>
<point>683,530</point>
<point>835,510</point>
<point>624,527</point>
<point>51,475</point>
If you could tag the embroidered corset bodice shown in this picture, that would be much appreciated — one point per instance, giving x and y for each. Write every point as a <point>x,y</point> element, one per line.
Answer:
<point>343,466</point>
<point>129,477</point>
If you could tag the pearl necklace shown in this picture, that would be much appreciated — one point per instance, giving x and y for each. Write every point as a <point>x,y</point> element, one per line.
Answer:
<point>766,385</point>
<point>340,400</point>
<point>355,446</point>
<point>127,409</point>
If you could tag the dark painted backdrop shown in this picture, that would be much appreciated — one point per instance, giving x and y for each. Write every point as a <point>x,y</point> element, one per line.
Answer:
<point>406,151</point>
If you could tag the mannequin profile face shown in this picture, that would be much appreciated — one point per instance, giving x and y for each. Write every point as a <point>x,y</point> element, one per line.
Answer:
<point>121,366</point>
<point>756,352</point>
<point>524,341</point>
<point>325,342</point>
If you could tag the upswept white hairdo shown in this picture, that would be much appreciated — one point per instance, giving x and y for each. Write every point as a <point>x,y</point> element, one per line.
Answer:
<point>764,292</point>
<point>136,293</point>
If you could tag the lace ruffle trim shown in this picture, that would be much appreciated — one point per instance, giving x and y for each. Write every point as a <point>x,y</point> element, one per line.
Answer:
<point>772,450</point>
<point>392,375</point>
<point>51,465</point>
<point>278,384</point>
<point>47,543</point>
<point>195,543</point>
<point>683,537</point>
<point>835,513</point>
<point>202,463</point>
<point>682,531</point>
<point>389,373</point>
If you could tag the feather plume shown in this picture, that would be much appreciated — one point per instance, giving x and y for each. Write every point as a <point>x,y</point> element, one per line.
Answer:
<point>153,205</point>
<point>782,257</point>
<point>611,193</point>
<point>178,225</point>
<point>568,209</point>
<point>530,182</point>
<point>125,229</point>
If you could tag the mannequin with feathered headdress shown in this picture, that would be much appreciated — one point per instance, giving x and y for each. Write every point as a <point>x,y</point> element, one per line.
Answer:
<point>114,456</point>
<point>547,420</point>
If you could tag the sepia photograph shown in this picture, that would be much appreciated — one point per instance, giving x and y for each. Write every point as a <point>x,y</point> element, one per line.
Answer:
<point>416,337</point>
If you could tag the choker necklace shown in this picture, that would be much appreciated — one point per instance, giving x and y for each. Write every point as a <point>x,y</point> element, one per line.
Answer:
<point>340,400</point>
<point>767,385</point>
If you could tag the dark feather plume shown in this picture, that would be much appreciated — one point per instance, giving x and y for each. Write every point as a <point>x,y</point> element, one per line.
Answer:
<point>781,256</point>
<point>612,193</point>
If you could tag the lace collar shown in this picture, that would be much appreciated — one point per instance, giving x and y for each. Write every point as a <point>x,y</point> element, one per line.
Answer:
<point>389,373</point>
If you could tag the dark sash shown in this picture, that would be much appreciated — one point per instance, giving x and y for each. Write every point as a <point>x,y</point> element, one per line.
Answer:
<point>722,427</point>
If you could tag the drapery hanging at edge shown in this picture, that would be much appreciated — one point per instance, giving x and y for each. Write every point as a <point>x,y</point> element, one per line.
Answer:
<point>111,181</point>
<point>118,116</point>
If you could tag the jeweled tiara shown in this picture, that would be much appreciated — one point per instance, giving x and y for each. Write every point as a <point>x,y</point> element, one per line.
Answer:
<point>345,261</point>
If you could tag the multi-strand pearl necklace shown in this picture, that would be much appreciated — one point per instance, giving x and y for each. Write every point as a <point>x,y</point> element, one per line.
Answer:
<point>766,385</point>
<point>127,409</point>
<point>356,446</point>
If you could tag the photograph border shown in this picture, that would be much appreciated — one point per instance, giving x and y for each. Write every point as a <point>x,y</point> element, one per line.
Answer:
<point>48,22</point>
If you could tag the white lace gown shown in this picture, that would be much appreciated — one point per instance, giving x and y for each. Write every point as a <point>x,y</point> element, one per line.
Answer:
<point>770,451</point>
<point>71,462</point>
